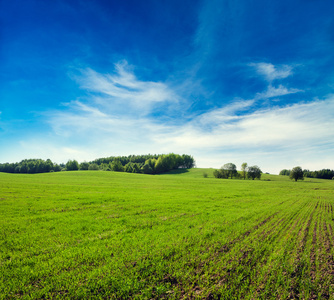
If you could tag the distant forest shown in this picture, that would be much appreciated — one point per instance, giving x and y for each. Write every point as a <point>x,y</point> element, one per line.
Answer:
<point>321,174</point>
<point>147,164</point>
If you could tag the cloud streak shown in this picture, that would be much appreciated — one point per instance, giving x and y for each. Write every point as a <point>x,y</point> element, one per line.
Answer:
<point>271,72</point>
<point>276,92</point>
<point>299,124</point>
<point>124,89</point>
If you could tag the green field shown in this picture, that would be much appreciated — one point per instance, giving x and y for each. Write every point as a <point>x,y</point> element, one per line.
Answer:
<point>94,234</point>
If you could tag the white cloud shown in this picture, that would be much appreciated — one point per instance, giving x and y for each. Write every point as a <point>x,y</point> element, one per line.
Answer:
<point>276,92</point>
<point>271,72</point>
<point>125,90</point>
<point>276,127</point>
<point>281,133</point>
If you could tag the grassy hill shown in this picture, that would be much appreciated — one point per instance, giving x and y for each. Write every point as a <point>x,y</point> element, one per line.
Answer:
<point>87,234</point>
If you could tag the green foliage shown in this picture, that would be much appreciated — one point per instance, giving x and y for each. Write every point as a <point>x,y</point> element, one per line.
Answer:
<point>30,166</point>
<point>285,172</point>
<point>84,166</point>
<point>254,172</point>
<point>231,170</point>
<point>87,235</point>
<point>135,168</point>
<point>93,167</point>
<point>116,166</point>
<point>244,168</point>
<point>321,174</point>
<point>128,167</point>
<point>148,164</point>
<point>72,165</point>
<point>173,160</point>
<point>226,171</point>
<point>147,168</point>
<point>297,174</point>
<point>221,173</point>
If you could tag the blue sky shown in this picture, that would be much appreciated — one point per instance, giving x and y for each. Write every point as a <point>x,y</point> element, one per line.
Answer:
<point>225,81</point>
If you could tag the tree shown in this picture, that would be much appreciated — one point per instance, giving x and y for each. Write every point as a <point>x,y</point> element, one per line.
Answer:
<point>231,169</point>
<point>254,172</point>
<point>297,173</point>
<point>128,167</point>
<point>244,168</point>
<point>56,168</point>
<point>117,166</point>
<point>48,165</point>
<point>285,172</point>
<point>188,161</point>
<point>221,173</point>
<point>159,167</point>
<point>72,165</point>
<point>84,165</point>
<point>93,167</point>
<point>147,169</point>
<point>135,168</point>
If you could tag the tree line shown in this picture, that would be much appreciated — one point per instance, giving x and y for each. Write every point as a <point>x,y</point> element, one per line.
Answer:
<point>31,166</point>
<point>321,174</point>
<point>147,164</point>
<point>229,170</point>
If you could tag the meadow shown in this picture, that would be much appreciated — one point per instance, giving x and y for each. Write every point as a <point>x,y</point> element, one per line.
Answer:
<point>94,234</point>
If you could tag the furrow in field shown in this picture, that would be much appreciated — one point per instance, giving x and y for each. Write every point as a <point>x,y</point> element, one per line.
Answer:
<point>284,222</point>
<point>325,272</point>
<point>278,240</point>
<point>228,246</point>
<point>300,273</point>
<point>249,262</point>
<point>313,259</point>
<point>246,257</point>
<point>279,244</point>
<point>327,265</point>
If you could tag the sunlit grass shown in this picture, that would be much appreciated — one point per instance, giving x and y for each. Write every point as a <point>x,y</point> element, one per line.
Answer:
<point>104,234</point>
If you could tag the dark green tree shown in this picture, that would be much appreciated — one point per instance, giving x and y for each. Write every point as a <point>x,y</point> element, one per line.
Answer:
<point>72,165</point>
<point>84,166</point>
<point>296,174</point>
<point>221,173</point>
<point>254,172</point>
<point>285,172</point>
<point>117,166</point>
<point>147,169</point>
<point>231,169</point>
<point>56,168</point>
<point>135,168</point>
<point>128,167</point>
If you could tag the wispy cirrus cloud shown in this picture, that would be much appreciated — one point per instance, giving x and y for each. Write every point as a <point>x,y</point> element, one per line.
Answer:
<point>125,90</point>
<point>276,92</point>
<point>276,127</point>
<point>271,72</point>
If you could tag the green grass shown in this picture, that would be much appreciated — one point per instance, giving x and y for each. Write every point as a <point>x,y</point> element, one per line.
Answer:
<point>91,234</point>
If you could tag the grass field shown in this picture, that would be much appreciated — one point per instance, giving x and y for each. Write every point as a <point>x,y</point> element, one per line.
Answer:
<point>93,234</point>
